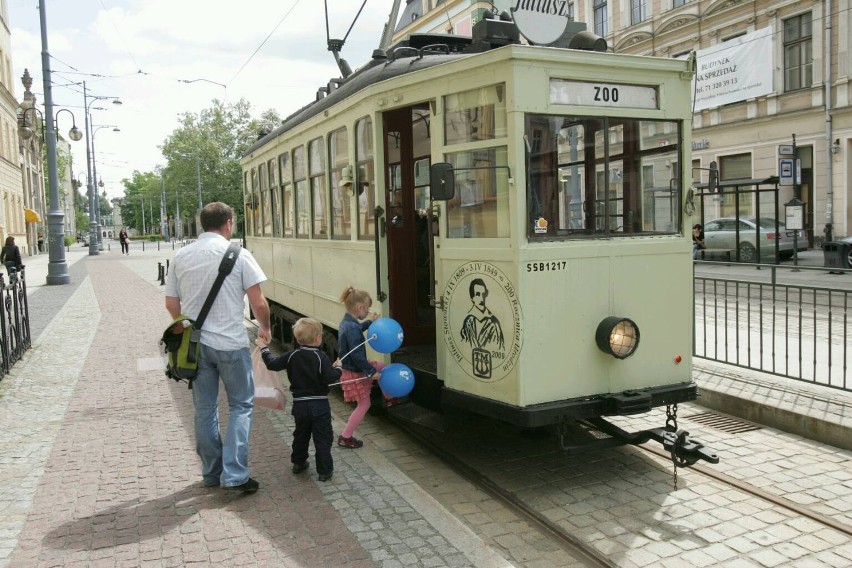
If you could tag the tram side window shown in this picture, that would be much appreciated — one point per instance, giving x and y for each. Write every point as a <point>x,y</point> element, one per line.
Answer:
<point>247,203</point>
<point>341,206</point>
<point>274,197</point>
<point>265,205</point>
<point>602,177</point>
<point>480,208</point>
<point>365,177</point>
<point>316,169</point>
<point>471,116</point>
<point>255,204</point>
<point>286,194</point>
<point>303,210</point>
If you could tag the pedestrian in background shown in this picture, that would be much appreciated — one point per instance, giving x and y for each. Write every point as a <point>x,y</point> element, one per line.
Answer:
<point>310,372</point>
<point>224,345</point>
<point>125,241</point>
<point>697,240</point>
<point>11,255</point>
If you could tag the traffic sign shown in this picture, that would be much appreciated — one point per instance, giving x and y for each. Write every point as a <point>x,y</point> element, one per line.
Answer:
<point>785,172</point>
<point>785,150</point>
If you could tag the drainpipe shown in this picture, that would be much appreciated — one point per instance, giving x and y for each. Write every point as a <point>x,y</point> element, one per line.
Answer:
<point>829,195</point>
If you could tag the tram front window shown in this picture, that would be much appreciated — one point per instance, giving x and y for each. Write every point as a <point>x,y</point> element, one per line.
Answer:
<point>602,177</point>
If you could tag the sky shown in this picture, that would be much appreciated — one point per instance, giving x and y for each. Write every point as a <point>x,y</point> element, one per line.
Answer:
<point>162,58</point>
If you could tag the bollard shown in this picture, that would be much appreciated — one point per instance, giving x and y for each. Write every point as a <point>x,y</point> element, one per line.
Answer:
<point>161,274</point>
<point>167,266</point>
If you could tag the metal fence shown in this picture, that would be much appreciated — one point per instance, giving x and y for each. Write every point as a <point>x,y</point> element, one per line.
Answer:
<point>792,330</point>
<point>15,336</point>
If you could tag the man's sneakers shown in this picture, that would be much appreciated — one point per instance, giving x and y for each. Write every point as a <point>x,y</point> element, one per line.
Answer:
<point>349,442</point>
<point>300,467</point>
<point>249,486</point>
<point>325,476</point>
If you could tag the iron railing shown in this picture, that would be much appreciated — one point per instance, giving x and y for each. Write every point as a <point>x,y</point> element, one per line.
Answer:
<point>15,336</point>
<point>786,329</point>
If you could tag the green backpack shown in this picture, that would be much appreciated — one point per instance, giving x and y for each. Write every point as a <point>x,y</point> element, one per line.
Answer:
<point>183,349</point>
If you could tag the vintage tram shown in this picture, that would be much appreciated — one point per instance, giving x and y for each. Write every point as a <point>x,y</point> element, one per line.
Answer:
<point>518,209</point>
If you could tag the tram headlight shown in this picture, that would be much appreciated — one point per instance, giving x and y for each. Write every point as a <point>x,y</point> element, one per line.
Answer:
<point>618,337</point>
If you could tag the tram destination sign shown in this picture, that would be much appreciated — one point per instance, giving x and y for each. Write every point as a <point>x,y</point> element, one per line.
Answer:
<point>564,92</point>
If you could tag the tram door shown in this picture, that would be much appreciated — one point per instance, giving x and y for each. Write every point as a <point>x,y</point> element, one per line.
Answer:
<point>407,148</point>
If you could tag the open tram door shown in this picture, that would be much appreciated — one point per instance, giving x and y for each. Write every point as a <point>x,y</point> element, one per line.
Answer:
<point>407,150</point>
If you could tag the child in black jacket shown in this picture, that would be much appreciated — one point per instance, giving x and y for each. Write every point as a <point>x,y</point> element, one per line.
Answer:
<point>310,372</point>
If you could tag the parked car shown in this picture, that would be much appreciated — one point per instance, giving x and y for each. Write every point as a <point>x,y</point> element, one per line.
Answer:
<point>847,241</point>
<point>720,236</point>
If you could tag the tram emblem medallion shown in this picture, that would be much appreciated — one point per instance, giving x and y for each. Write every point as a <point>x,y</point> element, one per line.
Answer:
<point>482,321</point>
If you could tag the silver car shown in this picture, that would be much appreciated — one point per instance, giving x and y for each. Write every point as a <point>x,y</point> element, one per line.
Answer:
<point>720,237</point>
<point>848,250</point>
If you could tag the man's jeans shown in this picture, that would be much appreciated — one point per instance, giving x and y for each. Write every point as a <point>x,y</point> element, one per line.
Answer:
<point>225,463</point>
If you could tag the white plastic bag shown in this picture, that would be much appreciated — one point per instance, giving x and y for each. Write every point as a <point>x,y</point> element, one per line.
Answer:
<point>268,391</point>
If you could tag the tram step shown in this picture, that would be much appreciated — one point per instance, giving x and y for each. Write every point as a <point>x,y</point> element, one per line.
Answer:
<point>419,415</point>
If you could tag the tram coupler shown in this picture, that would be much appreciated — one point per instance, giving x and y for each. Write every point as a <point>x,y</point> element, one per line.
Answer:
<point>683,450</point>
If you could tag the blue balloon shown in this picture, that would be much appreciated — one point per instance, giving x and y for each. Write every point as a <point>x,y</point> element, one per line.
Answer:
<point>385,335</point>
<point>397,380</point>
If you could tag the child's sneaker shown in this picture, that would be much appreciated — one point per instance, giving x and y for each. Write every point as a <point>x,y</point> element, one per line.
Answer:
<point>349,442</point>
<point>394,401</point>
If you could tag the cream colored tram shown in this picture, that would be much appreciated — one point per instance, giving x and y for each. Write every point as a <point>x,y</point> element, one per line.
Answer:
<point>518,210</point>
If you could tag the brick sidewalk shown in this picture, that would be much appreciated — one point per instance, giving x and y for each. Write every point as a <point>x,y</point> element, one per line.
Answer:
<point>121,485</point>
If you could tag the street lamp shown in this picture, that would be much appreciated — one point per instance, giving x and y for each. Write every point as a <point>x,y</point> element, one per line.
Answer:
<point>101,182</point>
<point>57,268</point>
<point>95,241</point>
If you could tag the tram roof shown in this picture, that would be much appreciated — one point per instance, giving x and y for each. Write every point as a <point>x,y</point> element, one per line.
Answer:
<point>378,70</point>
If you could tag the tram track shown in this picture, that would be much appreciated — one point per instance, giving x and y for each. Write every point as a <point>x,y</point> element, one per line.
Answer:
<point>759,493</point>
<point>578,545</point>
<point>582,551</point>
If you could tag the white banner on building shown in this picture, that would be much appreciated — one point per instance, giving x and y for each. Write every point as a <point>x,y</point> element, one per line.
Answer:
<point>733,71</point>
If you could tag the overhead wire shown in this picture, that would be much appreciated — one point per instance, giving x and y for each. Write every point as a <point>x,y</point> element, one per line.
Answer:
<point>284,17</point>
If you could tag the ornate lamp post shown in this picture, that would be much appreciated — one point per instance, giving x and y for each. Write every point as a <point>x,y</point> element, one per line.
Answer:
<point>57,268</point>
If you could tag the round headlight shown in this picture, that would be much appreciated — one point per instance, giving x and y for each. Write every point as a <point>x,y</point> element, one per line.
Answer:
<point>618,337</point>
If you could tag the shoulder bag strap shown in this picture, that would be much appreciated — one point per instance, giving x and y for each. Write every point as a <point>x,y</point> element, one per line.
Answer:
<point>225,267</point>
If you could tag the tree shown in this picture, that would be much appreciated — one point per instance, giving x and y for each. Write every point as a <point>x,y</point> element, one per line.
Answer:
<point>212,143</point>
<point>144,187</point>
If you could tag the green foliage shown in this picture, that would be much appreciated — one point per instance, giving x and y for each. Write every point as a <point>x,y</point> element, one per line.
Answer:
<point>205,149</point>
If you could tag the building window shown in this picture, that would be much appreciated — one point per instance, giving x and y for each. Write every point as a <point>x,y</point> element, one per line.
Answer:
<point>798,62</point>
<point>638,11</point>
<point>601,17</point>
<point>679,3</point>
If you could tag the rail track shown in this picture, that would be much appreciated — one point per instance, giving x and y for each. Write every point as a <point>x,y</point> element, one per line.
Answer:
<point>528,502</point>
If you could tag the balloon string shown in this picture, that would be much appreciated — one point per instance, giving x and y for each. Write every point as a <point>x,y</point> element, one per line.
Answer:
<point>374,336</point>
<point>349,381</point>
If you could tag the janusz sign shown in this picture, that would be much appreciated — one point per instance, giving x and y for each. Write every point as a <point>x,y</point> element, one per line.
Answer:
<point>541,21</point>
